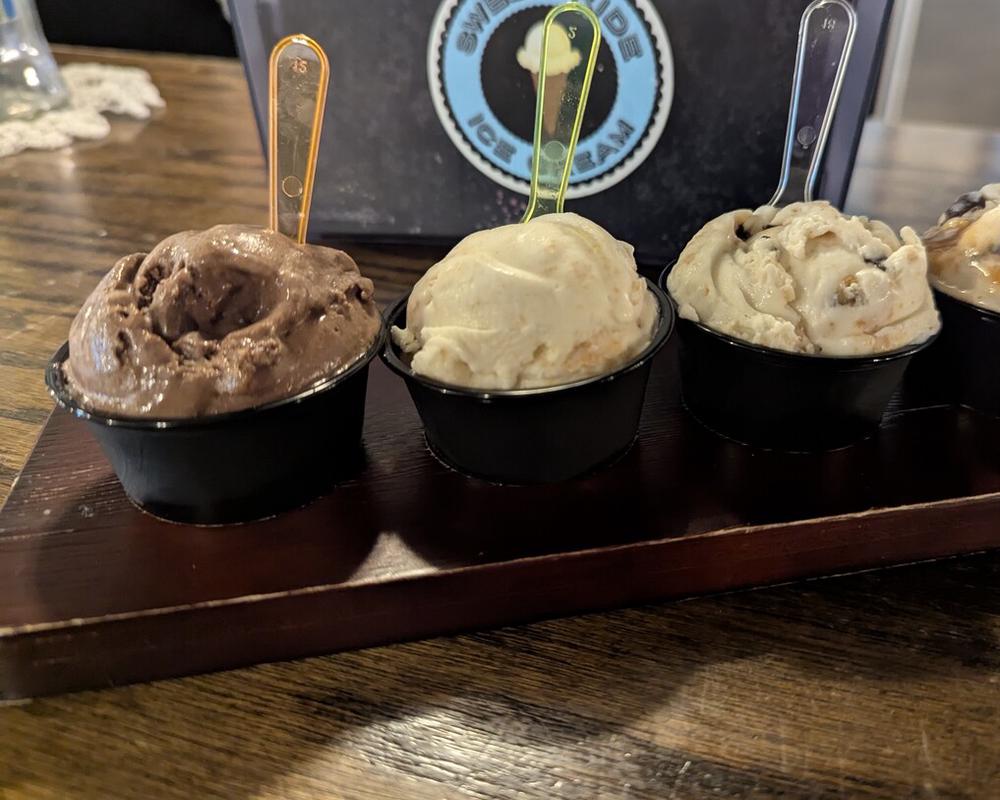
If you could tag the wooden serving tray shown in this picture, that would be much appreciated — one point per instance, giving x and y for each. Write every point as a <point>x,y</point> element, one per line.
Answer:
<point>95,593</point>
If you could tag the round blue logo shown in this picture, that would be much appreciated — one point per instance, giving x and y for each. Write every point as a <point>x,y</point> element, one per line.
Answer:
<point>483,78</point>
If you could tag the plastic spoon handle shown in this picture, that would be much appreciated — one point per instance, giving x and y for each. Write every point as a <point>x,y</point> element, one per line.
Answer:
<point>826,35</point>
<point>299,75</point>
<point>556,134</point>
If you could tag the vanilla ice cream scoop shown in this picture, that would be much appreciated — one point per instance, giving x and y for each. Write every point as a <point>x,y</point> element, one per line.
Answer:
<point>562,57</point>
<point>534,304</point>
<point>807,279</point>
<point>964,248</point>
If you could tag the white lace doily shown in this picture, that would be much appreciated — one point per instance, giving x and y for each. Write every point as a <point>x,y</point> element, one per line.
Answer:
<point>94,90</point>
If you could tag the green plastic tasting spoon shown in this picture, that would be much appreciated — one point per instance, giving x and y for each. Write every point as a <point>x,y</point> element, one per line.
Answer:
<point>570,38</point>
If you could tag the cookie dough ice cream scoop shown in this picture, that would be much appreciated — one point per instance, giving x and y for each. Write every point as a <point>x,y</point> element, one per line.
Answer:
<point>798,322</point>
<point>807,279</point>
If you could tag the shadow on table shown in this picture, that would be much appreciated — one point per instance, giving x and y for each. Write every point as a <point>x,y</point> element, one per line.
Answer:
<point>556,709</point>
<point>101,555</point>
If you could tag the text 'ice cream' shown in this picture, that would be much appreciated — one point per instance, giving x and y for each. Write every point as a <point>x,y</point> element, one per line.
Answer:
<point>964,248</point>
<point>218,320</point>
<point>807,279</point>
<point>542,303</point>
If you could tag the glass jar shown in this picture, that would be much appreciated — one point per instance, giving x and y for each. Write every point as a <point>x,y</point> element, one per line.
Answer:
<point>29,78</point>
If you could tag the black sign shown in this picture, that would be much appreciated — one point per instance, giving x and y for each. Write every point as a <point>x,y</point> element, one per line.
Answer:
<point>431,108</point>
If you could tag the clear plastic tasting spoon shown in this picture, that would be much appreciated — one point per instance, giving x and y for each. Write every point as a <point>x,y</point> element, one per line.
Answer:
<point>826,35</point>
<point>299,75</point>
<point>555,138</point>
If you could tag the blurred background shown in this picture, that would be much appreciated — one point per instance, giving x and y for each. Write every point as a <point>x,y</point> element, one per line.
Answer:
<point>940,63</point>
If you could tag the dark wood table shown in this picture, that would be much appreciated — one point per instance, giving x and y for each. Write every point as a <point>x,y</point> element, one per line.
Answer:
<point>880,685</point>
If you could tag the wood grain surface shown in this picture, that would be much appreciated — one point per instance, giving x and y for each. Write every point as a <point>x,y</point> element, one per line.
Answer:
<point>880,685</point>
<point>408,548</point>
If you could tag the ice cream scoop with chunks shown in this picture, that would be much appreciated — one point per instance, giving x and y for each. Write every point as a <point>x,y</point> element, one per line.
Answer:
<point>806,278</point>
<point>964,248</point>
<point>534,304</point>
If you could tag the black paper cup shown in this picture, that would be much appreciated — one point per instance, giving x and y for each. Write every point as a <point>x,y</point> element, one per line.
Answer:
<point>532,435</point>
<point>961,367</point>
<point>778,400</point>
<point>239,466</point>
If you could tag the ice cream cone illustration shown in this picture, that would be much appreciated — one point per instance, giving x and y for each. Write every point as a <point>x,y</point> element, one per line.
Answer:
<point>562,60</point>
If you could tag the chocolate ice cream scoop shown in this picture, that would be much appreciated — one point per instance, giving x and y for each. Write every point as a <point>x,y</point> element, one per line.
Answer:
<point>218,320</point>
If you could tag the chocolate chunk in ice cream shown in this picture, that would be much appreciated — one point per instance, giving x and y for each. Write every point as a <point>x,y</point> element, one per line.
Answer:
<point>218,320</point>
<point>964,249</point>
<point>970,201</point>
